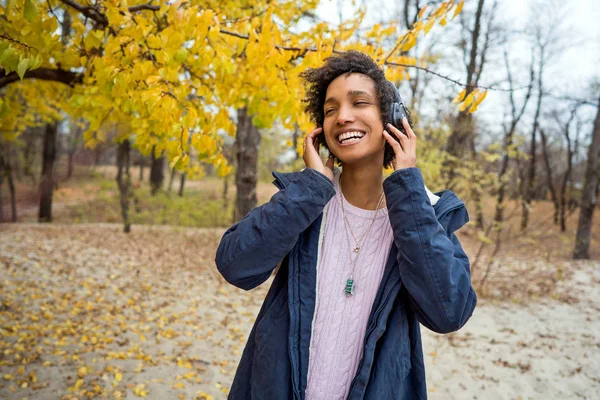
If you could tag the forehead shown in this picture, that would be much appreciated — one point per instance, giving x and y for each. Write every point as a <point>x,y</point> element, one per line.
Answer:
<point>350,84</point>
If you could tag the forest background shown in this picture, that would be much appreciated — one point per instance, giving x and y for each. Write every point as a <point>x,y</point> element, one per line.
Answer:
<point>133,133</point>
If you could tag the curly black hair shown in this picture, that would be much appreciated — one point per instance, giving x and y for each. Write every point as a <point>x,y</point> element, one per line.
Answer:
<point>317,80</point>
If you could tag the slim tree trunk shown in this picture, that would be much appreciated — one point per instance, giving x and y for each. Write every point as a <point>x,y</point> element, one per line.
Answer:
<point>47,182</point>
<point>181,184</point>
<point>567,176</point>
<point>459,139</point>
<point>528,194</point>
<point>157,175</point>
<point>70,165</point>
<point>246,149</point>
<point>1,182</point>
<point>142,162</point>
<point>6,171</point>
<point>225,191</point>
<point>124,182</point>
<point>509,135</point>
<point>11,188</point>
<point>171,178</point>
<point>589,197</point>
<point>549,176</point>
<point>28,158</point>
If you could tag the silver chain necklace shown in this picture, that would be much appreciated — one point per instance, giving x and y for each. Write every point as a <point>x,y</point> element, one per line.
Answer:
<point>350,286</point>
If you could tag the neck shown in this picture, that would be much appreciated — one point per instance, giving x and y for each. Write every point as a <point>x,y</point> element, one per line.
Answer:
<point>362,185</point>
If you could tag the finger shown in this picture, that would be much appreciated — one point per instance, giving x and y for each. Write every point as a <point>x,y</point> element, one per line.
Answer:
<point>309,140</point>
<point>314,133</point>
<point>394,143</point>
<point>398,133</point>
<point>408,129</point>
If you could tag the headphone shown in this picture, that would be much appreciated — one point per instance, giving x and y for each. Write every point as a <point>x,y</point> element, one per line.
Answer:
<point>397,108</point>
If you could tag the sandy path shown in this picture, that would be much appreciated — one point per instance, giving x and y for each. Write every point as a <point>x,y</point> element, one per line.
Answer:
<point>86,311</point>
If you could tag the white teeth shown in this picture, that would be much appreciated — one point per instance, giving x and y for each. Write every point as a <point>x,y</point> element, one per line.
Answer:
<point>350,136</point>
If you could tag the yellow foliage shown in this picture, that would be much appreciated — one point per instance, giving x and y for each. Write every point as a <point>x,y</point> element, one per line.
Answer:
<point>159,77</point>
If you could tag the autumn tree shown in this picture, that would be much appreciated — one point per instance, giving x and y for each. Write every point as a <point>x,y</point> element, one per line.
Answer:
<point>174,72</point>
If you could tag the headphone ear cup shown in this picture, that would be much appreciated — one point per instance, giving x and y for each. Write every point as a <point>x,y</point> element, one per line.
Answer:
<point>396,114</point>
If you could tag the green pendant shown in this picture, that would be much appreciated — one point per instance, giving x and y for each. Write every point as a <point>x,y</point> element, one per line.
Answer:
<point>349,290</point>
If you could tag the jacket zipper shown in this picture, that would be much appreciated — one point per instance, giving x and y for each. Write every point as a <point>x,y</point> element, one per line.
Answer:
<point>371,329</point>
<point>294,382</point>
<point>319,248</point>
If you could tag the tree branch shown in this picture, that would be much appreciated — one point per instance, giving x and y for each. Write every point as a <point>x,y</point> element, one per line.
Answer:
<point>141,7</point>
<point>94,14</point>
<point>46,74</point>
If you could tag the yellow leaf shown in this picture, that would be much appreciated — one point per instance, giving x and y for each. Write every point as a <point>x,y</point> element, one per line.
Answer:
<point>179,385</point>
<point>460,96</point>
<point>118,377</point>
<point>458,9</point>
<point>151,80</point>
<point>139,391</point>
<point>467,102</point>
<point>421,12</point>
<point>429,25</point>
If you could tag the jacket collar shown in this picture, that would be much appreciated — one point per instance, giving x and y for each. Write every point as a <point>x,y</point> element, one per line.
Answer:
<point>448,200</point>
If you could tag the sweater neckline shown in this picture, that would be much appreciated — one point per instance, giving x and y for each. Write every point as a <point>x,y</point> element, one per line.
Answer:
<point>360,212</point>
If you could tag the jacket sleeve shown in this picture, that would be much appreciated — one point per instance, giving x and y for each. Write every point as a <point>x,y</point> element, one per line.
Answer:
<point>252,248</point>
<point>433,266</point>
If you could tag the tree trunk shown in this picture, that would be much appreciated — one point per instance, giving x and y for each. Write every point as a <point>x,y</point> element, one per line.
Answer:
<point>142,162</point>
<point>70,165</point>
<point>1,182</point>
<point>528,194</point>
<point>6,171</point>
<point>47,182</point>
<point>225,191</point>
<point>28,158</point>
<point>246,149</point>
<point>11,188</point>
<point>172,177</point>
<point>124,182</point>
<point>589,195</point>
<point>460,137</point>
<point>181,184</point>
<point>97,154</point>
<point>157,175</point>
<point>549,176</point>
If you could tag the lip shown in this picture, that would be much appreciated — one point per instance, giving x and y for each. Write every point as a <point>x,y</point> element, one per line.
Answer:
<point>349,130</point>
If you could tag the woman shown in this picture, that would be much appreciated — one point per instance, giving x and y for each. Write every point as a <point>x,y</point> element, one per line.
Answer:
<point>363,260</point>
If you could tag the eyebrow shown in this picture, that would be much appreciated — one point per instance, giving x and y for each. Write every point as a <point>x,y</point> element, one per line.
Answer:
<point>350,93</point>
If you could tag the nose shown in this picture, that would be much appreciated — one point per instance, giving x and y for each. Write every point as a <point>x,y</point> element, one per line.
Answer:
<point>344,115</point>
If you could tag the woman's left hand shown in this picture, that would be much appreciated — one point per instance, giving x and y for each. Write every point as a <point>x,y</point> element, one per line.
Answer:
<point>406,150</point>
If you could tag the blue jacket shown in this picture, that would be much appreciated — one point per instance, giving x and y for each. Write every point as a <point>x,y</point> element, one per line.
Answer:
<point>426,280</point>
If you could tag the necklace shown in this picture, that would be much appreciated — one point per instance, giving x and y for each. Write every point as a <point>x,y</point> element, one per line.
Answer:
<point>350,286</point>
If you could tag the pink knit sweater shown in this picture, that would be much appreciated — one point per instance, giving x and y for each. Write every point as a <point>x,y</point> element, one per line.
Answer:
<point>340,322</point>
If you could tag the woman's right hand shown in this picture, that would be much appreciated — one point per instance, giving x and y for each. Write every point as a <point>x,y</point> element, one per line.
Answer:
<point>311,155</point>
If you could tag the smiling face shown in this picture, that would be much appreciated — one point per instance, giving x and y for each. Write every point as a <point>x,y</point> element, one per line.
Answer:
<point>352,124</point>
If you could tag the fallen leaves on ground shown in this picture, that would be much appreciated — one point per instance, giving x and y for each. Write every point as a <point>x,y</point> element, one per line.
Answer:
<point>90,312</point>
